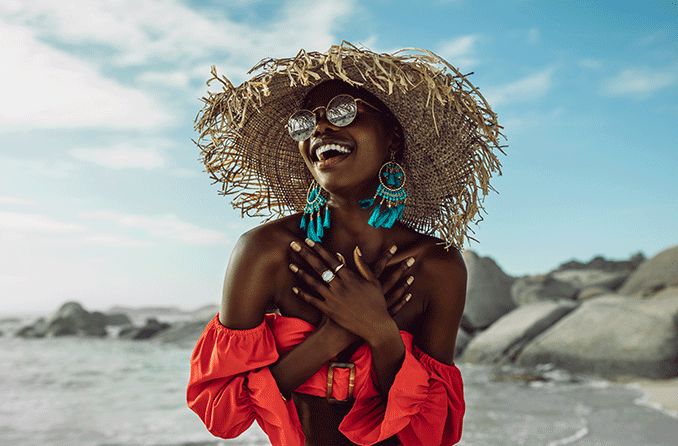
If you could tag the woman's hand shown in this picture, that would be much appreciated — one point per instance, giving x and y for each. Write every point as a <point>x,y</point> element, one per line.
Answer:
<point>356,301</point>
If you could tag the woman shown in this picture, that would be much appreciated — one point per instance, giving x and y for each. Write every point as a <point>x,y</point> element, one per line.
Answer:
<point>324,337</point>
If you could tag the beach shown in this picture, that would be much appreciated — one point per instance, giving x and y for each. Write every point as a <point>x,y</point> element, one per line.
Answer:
<point>105,392</point>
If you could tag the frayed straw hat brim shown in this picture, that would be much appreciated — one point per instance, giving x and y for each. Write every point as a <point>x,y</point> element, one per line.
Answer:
<point>451,134</point>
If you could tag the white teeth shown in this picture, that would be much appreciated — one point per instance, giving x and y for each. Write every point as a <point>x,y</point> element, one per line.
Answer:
<point>325,147</point>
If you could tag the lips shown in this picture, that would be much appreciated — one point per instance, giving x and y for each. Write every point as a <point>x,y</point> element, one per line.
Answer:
<point>319,149</point>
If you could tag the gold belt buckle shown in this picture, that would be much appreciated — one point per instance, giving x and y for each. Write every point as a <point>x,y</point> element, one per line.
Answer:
<point>351,380</point>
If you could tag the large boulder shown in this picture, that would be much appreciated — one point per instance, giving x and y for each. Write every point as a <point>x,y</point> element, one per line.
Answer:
<point>541,287</point>
<point>150,329</point>
<point>35,330</point>
<point>508,335</point>
<point>117,319</point>
<point>597,276</point>
<point>71,319</point>
<point>184,334</point>
<point>488,292</point>
<point>463,338</point>
<point>612,336</point>
<point>657,273</point>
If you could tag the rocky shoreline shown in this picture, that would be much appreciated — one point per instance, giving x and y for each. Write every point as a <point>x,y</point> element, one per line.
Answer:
<point>614,319</point>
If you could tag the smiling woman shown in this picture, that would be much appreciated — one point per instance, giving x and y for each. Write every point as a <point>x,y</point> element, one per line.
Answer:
<point>324,337</point>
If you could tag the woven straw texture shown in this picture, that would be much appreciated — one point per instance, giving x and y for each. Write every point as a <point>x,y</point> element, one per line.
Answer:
<point>451,134</point>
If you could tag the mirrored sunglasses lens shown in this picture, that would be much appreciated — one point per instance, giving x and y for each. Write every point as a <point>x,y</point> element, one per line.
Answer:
<point>301,124</point>
<point>341,110</point>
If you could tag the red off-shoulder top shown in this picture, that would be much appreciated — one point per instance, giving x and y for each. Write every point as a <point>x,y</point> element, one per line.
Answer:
<point>230,386</point>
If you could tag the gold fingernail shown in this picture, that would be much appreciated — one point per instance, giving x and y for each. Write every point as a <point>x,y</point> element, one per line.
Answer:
<point>408,296</point>
<point>357,249</point>
<point>310,242</point>
<point>295,289</point>
<point>294,267</point>
<point>296,246</point>
<point>393,249</point>
<point>410,261</point>
<point>410,280</point>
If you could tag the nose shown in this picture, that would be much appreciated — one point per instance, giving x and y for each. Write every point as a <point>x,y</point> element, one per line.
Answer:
<point>321,122</point>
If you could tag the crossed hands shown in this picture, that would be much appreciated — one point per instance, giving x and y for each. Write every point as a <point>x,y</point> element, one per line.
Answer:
<point>355,304</point>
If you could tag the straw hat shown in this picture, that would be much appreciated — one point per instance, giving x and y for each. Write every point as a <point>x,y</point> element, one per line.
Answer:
<point>449,129</point>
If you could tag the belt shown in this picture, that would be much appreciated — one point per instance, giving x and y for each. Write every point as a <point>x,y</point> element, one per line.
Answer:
<point>351,380</point>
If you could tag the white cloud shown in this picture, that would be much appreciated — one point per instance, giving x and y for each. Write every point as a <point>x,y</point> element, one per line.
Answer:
<point>122,156</point>
<point>36,223</point>
<point>43,87</point>
<point>8,199</point>
<point>460,51</point>
<point>115,241</point>
<point>530,87</point>
<point>145,33</point>
<point>164,226</point>
<point>36,167</point>
<point>171,79</point>
<point>639,82</point>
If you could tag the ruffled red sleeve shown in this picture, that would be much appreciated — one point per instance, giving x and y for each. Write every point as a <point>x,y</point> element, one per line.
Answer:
<point>230,384</point>
<point>425,404</point>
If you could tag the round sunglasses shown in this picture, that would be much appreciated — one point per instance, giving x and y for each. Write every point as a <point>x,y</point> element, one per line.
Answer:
<point>340,111</point>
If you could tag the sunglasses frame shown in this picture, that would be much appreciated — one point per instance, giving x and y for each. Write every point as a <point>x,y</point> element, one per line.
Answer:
<point>313,112</point>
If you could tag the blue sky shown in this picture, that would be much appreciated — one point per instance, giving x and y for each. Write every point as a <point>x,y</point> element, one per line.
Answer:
<point>103,199</point>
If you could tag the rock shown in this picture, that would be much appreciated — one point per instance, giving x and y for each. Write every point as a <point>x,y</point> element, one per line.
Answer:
<point>150,329</point>
<point>599,263</point>
<point>592,291</point>
<point>72,319</point>
<point>36,330</point>
<point>183,333</point>
<point>540,287</point>
<point>660,271</point>
<point>586,278</point>
<point>612,336</point>
<point>463,338</point>
<point>118,319</point>
<point>488,292</point>
<point>508,335</point>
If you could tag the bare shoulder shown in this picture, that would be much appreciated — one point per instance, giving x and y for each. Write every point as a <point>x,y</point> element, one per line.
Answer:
<point>250,279</point>
<point>437,263</point>
<point>445,275</point>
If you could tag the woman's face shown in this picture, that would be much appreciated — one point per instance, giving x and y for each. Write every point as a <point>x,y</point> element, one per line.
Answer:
<point>368,138</point>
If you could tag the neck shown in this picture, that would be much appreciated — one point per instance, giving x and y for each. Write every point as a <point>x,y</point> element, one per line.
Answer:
<point>349,225</point>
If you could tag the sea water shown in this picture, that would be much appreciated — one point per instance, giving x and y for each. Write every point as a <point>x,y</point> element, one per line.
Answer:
<point>96,392</point>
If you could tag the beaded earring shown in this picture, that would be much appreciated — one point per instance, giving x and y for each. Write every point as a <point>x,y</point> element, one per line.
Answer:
<point>392,190</point>
<point>315,226</point>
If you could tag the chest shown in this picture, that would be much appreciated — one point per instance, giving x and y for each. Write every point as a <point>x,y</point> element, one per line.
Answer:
<point>407,318</point>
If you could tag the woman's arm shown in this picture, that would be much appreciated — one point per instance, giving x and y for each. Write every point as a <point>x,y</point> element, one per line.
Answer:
<point>248,291</point>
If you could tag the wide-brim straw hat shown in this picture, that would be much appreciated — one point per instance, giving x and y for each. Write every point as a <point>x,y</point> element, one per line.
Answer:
<point>450,134</point>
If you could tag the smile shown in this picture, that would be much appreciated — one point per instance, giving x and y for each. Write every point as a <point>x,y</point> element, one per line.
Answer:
<point>328,155</point>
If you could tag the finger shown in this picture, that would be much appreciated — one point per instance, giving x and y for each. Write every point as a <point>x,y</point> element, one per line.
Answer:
<point>397,274</point>
<point>313,284</point>
<point>311,299</point>
<point>311,257</point>
<point>401,303</point>
<point>399,292</point>
<point>362,266</point>
<point>327,257</point>
<point>379,267</point>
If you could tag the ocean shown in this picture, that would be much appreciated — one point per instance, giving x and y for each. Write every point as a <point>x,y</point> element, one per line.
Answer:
<point>111,392</point>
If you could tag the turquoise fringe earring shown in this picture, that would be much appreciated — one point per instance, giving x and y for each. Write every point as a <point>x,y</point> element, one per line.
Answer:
<point>392,190</point>
<point>315,226</point>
